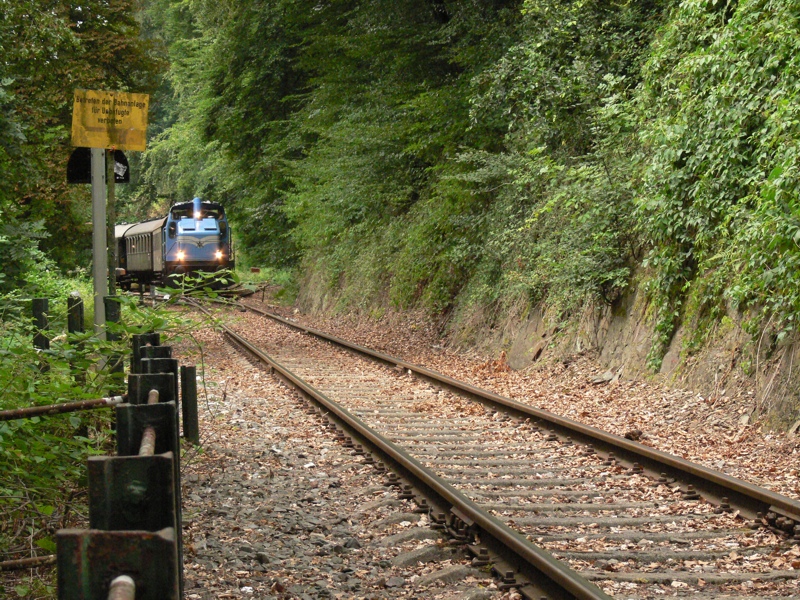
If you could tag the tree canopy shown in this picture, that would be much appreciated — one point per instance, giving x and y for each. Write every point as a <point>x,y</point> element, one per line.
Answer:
<point>48,49</point>
<point>444,153</point>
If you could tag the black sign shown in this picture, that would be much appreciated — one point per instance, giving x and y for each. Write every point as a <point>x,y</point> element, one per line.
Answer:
<point>79,167</point>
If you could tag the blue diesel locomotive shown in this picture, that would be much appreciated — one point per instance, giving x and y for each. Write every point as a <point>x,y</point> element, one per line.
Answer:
<point>193,237</point>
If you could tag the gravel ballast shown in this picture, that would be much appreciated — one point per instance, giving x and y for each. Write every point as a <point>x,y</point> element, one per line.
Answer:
<point>274,507</point>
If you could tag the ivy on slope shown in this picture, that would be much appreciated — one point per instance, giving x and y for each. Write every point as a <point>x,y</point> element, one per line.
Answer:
<point>720,206</point>
<point>472,156</point>
<point>561,229</point>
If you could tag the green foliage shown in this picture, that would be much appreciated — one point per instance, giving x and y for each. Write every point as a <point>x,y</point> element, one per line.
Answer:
<point>43,459</point>
<point>205,285</point>
<point>561,229</point>
<point>719,207</point>
<point>49,49</point>
<point>412,150</point>
<point>281,283</point>
<point>19,252</point>
<point>11,138</point>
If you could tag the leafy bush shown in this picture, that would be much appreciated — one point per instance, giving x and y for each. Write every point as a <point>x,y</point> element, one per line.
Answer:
<point>43,459</point>
<point>19,252</point>
<point>720,208</point>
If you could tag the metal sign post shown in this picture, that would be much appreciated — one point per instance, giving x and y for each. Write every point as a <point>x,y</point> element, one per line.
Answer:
<point>111,214</point>
<point>99,241</point>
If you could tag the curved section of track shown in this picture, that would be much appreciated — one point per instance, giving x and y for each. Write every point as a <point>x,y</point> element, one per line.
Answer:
<point>560,519</point>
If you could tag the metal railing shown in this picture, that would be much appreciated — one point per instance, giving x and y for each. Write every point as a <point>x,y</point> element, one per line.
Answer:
<point>132,549</point>
<point>61,408</point>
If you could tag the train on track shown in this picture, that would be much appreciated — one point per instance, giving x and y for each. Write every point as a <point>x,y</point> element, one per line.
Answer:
<point>193,238</point>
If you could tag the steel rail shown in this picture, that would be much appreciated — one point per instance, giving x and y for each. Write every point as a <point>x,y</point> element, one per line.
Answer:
<point>544,574</point>
<point>750,499</point>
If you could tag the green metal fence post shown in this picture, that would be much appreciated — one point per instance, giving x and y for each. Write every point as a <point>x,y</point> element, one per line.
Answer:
<point>75,313</point>
<point>191,426</point>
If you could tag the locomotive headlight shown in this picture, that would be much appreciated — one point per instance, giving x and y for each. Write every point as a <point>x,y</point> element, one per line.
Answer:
<point>181,255</point>
<point>218,254</point>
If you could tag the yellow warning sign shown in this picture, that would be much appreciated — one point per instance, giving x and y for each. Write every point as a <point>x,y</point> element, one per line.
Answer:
<point>109,120</point>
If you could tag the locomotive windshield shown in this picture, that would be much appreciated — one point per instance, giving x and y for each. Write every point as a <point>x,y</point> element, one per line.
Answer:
<point>199,210</point>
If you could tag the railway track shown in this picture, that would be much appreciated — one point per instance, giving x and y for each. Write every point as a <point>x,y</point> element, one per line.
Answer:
<point>560,510</point>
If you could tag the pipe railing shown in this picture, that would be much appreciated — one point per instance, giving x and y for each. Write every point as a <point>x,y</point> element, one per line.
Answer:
<point>57,409</point>
<point>132,549</point>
